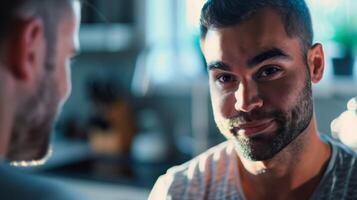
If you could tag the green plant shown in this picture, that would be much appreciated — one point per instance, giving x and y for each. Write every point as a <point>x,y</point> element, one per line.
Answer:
<point>346,36</point>
<point>345,33</point>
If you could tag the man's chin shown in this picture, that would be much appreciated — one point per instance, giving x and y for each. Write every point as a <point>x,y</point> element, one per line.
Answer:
<point>258,148</point>
<point>32,160</point>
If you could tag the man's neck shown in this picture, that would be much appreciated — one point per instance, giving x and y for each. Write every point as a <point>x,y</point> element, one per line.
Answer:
<point>293,173</point>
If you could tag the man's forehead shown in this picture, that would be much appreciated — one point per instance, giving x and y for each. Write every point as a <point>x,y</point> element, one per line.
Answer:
<point>77,14</point>
<point>69,26</point>
<point>77,10</point>
<point>211,43</point>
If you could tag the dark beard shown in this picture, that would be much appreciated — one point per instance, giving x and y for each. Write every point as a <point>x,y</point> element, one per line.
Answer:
<point>33,123</point>
<point>290,125</point>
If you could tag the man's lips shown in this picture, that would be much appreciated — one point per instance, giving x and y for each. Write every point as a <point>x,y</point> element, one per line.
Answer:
<point>250,129</point>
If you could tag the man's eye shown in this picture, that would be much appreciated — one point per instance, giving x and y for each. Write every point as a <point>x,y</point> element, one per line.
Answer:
<point>225,78</point>
<point>268,72</point>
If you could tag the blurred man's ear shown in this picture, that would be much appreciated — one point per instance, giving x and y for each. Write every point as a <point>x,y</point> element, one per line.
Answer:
<point>26,48</point>
<point>316,62</point>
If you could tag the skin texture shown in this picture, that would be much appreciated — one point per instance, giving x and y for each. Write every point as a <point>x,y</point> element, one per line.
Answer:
<point>35,86</point>
<point>259,76</point>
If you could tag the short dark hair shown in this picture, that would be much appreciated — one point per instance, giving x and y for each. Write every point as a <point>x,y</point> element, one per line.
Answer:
<point>294,14</point>
<point>50,12</point>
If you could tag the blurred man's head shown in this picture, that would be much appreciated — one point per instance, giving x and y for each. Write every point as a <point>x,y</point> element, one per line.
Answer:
<point>37,40</point>
<point>261,63</point>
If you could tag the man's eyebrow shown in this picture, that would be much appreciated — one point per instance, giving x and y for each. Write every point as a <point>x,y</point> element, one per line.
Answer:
<point>218,65</point>
<point>266,55</point>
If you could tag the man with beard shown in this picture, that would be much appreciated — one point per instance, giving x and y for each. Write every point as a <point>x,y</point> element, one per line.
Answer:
<point>37,40</point>
<point>261,63</point>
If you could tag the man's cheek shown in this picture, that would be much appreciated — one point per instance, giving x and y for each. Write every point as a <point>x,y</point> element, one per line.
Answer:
<point>67,87</point>
<point>62,74</point>
<point>280,93</point>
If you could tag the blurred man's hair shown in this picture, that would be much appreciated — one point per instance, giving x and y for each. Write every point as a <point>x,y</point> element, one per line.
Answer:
<point>50,12</point>
<point>295,15</point>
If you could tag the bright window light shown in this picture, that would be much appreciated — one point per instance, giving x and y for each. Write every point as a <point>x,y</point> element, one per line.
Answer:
<point>193,8</point>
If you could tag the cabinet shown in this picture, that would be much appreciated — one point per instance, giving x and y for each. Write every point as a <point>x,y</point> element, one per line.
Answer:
<point>108,26</point>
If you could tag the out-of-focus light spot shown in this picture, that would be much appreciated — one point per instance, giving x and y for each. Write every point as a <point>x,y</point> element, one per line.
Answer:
<point>347,127</point>
<point>334,127</point>
<point>352,104</point>
<point>325,4</point>
<point>344,127</point>
<point>193,8</point>
<point>332,4</point>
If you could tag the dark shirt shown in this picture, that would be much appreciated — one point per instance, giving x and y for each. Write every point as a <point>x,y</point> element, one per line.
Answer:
<point>16,184</point>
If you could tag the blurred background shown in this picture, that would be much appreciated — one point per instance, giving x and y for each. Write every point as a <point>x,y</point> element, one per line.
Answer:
<point>140,101</point>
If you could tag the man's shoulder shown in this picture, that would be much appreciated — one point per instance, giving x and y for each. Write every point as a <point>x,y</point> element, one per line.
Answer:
<point>343,158</point>
<point>207,175</point>
<point>340,177</point>
<point>16,184</point>
<point>340,148</point>
<point>212,157</point>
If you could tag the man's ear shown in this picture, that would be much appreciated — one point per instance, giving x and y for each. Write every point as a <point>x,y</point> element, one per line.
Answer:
<point>316,62</point>
<point>26,48</point>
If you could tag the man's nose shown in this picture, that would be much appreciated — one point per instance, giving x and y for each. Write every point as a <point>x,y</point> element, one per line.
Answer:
<point>247,97</point>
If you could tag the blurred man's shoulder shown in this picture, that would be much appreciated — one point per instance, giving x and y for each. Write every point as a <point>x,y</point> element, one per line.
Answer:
<point>16,184</point>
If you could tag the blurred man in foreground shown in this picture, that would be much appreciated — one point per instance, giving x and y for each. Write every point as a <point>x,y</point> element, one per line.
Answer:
<point>261,64</point>
<point>37,40</point>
